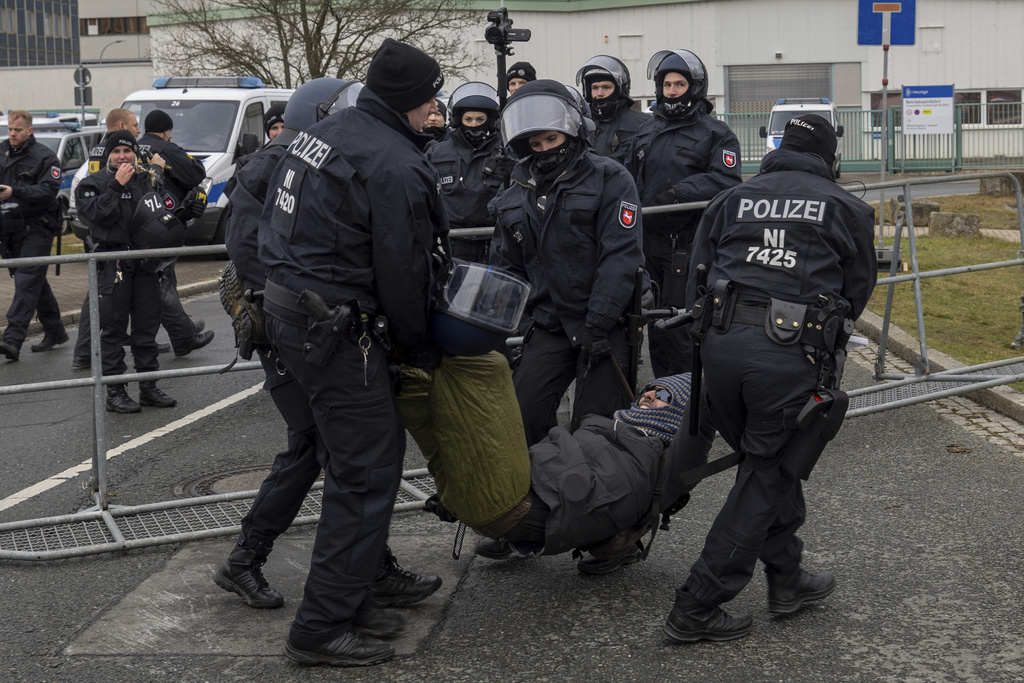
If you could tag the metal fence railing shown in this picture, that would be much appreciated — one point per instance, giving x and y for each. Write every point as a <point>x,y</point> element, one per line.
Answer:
<point>985,136</point>
<point>106,527</point>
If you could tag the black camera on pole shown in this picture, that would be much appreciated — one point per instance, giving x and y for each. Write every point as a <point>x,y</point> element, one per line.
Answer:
<point>500,34</point>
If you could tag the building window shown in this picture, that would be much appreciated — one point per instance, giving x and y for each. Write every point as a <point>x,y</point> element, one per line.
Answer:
<point>30,23</point>
<point>970,106</point>
<point>1003,107</point>
<point>895,101</point>
<point>113,26</point>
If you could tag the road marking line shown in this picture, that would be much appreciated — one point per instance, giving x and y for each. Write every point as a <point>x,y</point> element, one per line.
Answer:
<point>72,472</point>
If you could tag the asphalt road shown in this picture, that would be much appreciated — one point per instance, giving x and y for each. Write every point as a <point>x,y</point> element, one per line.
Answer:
<point>918,518</point>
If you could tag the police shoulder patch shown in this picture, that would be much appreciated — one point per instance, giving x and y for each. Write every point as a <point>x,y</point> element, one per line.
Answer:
<point>627,214</point>
<point>729,158</point>
<point>94,166</point>
<point>55,171</point>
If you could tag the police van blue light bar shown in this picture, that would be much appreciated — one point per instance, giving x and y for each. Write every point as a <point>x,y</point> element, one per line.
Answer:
<point>250,82</point>
<point>801,100</point>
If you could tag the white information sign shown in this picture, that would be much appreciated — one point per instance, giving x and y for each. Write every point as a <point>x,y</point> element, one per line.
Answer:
<point>927,109</point>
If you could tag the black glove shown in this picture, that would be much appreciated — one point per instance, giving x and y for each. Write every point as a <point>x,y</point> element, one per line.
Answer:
<point>667,197</point>
<point>434,504</point>
<point>595,344</point>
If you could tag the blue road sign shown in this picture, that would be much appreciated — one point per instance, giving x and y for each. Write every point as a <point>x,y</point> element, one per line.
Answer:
<point>869,22</point>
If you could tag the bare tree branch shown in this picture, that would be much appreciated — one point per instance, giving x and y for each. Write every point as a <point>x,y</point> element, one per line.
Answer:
<point>288,43</point>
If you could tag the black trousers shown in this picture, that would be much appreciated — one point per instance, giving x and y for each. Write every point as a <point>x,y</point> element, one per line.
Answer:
<point>364,442</point>
<point>173,317</point>
<point>548,366</point>
<point>133,298</point>
<point>755,390</point>
<point>294,470</point>
<point>667,262</point>
<point>32,293</point>
<point>178,324</point>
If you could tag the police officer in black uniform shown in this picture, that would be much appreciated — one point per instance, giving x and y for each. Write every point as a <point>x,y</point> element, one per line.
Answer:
<point>472,164</point>
<point>29,220</point>
<point>273,121</point>
<point>296,469</point>
<point>605,83</point>
<point>353,221</point>
<point>181,173</point>
<point>109,202</point>
<point>437,124</point>
<point>797,250</point>
<point>679,155</point>
<point>569,224</point>
<point>519,74</point>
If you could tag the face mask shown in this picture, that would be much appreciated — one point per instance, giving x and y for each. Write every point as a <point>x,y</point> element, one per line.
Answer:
<point>674,107</point>
<point>476,135</point>
<point>548,161</point>
<point>606,108</point>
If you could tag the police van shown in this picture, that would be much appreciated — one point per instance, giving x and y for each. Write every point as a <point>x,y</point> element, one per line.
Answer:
<point>789,107</point>
<point>217,120</point>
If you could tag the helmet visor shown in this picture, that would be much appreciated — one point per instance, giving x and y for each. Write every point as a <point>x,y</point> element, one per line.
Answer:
<point>342,98</point>
<point>476,91</point>
<point>484,296</point>
<point>693,64</point>
<point>604,63</point>
<point>538,112</point>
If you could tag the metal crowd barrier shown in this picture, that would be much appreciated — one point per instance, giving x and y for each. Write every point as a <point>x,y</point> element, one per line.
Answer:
<point>105,527</point>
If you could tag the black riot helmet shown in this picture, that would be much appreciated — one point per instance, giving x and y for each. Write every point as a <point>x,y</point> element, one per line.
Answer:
<point>683,62</point>
<point>603,68</point>
<point>317,99</point>
<point>538,106</point>
<point>474,96</point>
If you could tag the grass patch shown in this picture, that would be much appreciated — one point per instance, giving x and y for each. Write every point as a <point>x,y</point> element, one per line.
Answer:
<point>69,244</point>
<point>971,317</point>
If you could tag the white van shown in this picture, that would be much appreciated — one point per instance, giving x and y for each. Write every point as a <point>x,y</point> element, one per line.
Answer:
<point>217,120</point>
<point>789,107</point>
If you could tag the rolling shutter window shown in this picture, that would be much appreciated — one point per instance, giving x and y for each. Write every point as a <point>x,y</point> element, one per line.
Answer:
<point>768,82</point>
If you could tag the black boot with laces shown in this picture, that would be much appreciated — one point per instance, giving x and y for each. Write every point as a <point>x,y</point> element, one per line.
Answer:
<point>149,395</point>
<point>396,587</point>
<point>241,573</point>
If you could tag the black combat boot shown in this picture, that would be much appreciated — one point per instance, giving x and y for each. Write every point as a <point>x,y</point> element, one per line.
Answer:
<point>690,621</point>
<point>49,342</point>
<point>241,573</point>
<point>10,350</point>
<point>118,400</point>
<point>379,623</point>
<point>396,587</point>
<point>352,648</point>
<point>149,395</point>
<point>788,593</point>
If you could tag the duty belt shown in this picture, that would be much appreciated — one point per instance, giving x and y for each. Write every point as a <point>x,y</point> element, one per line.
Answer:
<point>756,315</point>
<point>283,303</point>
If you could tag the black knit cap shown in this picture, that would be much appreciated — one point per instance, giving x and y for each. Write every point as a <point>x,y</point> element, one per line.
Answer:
<point>117,138</point>
<point>158,121</point>
<point>810,134</point>
<point>521,70</point>
<point>403,76</point>
<point>274,115</point>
